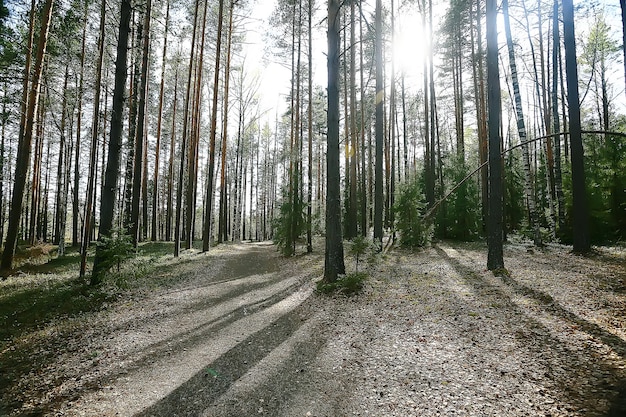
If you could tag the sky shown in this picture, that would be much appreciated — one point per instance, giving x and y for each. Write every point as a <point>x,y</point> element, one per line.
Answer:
<point>276,77</point>
<point>409,48</point>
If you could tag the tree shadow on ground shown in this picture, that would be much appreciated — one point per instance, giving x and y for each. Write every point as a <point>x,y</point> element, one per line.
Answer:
<point>613,389</point>
<point>206,386</point>
<point>23,312</point>
<point>48,306</point>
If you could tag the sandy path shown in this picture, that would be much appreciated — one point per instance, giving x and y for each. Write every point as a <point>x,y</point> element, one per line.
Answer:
<point>170,342</point>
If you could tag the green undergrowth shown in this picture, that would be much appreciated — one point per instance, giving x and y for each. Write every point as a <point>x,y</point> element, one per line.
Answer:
<point>348,284</point>
<point>41,291</point>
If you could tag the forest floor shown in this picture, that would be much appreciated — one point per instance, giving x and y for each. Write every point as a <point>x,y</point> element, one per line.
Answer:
<point>240,331</point>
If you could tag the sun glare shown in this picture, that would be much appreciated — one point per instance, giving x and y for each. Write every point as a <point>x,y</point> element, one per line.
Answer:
<point>410,44</point>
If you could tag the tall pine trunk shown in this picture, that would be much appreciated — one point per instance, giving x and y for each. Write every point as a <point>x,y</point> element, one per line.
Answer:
<point>309,209</point>
<point>206,233</point>
<point>495,259</point>
<point>223,214</point>
<point>333,260</point>
<point>580,212</point>
<point>77,147</point>
<point>379,103</point>
<point>93,152</point>
<point>142,91</point>
<point>24,146</point>
<point>170,168</point>
<point>109,189</point>
<point>558,176</point>
<point>185,134</point>
<point>157,150</point>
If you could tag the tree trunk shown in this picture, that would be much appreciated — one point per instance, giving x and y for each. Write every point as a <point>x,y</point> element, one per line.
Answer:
<point>364,196</point>
<point>622,4</point>
<point>379,102</point>
<point>93,153</point>
<point>170,168</point>
<point>495,259</point>
<point>131,145</point>
<point>109,189</point>
<point>333,260</point>
<point>309,209</point>
<point>79,118</point>
<point>141,119</point>
<point>558,176</point>
<point>157,150</point>
<point>24,147</point>
<point>580,212</point>
<point>194,137</point>
<point>35,184</point>
<point>352,226</point>
<point>223,217</point>
<point>481,116</point>
<point>60,194</point>
<point>521,129</point>
<point>3,162</point>
<point>206,233</point>
<point>183,146</point>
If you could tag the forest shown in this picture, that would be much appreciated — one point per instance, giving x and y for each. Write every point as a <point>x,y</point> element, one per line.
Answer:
<point>144,122</point>
<point>138,132</point>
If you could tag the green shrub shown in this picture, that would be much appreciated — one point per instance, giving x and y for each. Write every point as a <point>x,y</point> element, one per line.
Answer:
<point>462,216</point>
<point>115,249</point>
<point>349,284</point>
<point>415,231</point>
<point>288,226</point>
<point>358,247</point>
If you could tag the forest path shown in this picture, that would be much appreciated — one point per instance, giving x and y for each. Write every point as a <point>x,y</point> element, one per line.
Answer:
<point>242,333</point>
<point>176,352</point>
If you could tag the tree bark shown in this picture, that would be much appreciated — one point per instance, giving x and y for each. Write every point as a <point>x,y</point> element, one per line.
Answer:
<point>495,259</point>
<point>183,146</point>
<point>93,152</point>
<point>79,118</point>
<point>333,260</point>
<point>309,209</point>
<point>582,243</point>
<point>157,150</point>
<point>61,197</point>
<point>24,147</point>
<point>364,195</point>
<point>479,97</point>
<point>109,189</point>
<point>223,215</point>
<point>521,129</point>
<point>206,234</point>
<point>379,103</point>
<point>622,4</point>
<point>170,168</point>
<point>142,91</point>
<point>558,176</point>
<point>136,36</point>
